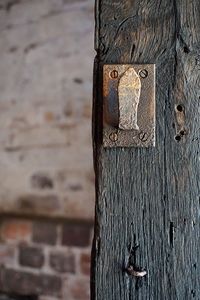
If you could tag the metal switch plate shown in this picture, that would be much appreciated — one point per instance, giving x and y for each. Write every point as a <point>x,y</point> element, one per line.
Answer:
<point>129,105</point>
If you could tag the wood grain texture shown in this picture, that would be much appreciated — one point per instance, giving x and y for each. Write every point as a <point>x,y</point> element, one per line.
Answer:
<point>147,200</point>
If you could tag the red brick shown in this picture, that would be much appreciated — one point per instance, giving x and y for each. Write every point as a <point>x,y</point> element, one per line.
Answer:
<point>77,235</point>
<point>85,262</point>
<point>80,289</point>
<point>62,262</point>
<point>24,283</point>
<point>45,233</point>
<point>7,254</point>
<point>16,230</point>
<point>31,256</point>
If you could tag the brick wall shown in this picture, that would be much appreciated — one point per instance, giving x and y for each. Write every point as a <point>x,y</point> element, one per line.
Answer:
<point>46,173</point>
<point>49,259</point>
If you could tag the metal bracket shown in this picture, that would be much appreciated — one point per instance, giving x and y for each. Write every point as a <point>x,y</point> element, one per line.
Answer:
<point>129,105</point>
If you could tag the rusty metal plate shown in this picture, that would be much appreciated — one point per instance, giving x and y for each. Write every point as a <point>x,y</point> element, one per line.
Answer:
<point>129,105</point>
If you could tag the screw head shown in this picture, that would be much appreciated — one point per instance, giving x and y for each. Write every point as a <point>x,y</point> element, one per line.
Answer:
<point>113,137</point>
<point>143,136</point>
<point>143,73</point>
<point>114,74</point>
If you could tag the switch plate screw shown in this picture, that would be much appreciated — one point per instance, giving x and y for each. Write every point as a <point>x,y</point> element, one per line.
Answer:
<point>143,136</point>
<point>143,73</point>
<point>113,137</point>
<point>114,74</point>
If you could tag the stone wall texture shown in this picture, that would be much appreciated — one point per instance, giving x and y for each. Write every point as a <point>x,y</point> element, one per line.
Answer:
<point>46,63</point>
<point>46,167</point>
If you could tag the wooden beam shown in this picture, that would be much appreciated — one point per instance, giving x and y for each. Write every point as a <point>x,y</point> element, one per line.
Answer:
<point>147,200</point>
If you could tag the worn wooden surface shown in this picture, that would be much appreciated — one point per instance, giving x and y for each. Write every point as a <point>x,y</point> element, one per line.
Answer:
<point>150,197</point>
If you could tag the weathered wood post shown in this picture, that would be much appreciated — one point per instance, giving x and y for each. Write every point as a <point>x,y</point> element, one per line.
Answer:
<point>147,233</point>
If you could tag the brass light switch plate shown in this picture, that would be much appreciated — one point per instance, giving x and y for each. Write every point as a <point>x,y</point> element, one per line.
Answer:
<point>129,105</point>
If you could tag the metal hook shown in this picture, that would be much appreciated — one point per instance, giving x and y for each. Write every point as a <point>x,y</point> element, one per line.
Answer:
<point>136,273</point>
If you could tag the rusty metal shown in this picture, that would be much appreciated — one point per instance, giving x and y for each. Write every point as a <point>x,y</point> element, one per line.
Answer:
<point>136,273</point>
<point>114,74</point>
<point>129,105</point>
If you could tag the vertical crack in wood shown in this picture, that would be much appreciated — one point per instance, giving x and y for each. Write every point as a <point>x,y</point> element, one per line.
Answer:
<point>176,38</point>
<point>171,234</point>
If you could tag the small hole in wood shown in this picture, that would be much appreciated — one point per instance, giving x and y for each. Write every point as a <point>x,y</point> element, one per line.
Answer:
<point>182,132</point>
<point>186,50</point>
<point>178,138</point>
<point>193,293</point>
<point>179,108</point>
